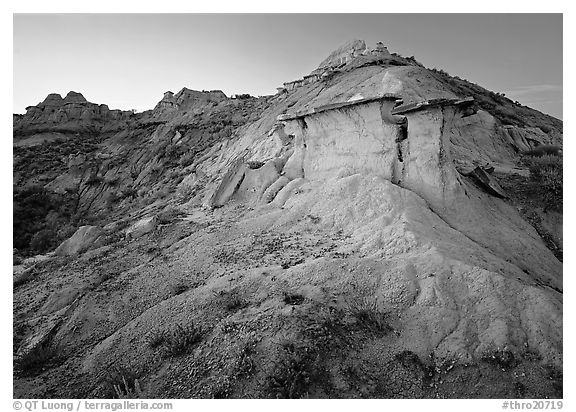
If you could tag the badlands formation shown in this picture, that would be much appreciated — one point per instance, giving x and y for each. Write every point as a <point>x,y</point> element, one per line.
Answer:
<point>363,233</point>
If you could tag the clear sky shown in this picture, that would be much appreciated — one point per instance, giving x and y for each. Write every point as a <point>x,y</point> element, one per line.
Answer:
<point>129,60</point>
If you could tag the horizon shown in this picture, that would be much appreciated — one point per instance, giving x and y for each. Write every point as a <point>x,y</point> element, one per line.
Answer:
<point>108,57</point>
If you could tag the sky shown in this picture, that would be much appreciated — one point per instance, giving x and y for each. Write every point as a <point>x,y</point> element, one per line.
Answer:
<point>128,61</point>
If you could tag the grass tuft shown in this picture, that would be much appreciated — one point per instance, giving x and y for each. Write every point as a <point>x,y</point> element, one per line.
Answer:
<point>176,341</point>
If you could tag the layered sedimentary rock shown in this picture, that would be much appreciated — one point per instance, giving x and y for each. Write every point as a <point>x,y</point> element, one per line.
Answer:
<point>344,54</point>
<point>414,147</point>
<point>368,189</point>
<point>187,99</point>
<point>71,114</point>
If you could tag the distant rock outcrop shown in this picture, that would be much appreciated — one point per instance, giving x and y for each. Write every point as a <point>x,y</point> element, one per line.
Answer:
<point>187,99</point>
<point>344,54</point>
<point>72,114</point>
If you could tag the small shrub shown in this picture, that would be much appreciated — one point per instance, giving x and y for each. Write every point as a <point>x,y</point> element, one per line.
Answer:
<point>546,172</point>
<point>156,170</point>
<point>187,159</point>
<point>176,341</point>
<point>229,327</point>
<point>105,276</point>
<point>155,339</point>
<point>288,263</point>
<point>545,149</point>
<point>326,327</point>
<point>125,391</point>
<point>293,299</point>
<point>162,193</point>
<point>504,359</point>
<point>233,302</point>
<point>245,365</point>
<point>94,180</point>
<point>545,128</point>
<point>113,181</point>
<point>37,360</point>
<point>296,370</point>
<point>129,193</point>
<point>111,198</point>
<point>178,288</point>
<point>154,249</point>
<point>314,219</point>
<point>43,240</point>
<point>24,277</point>
<point>122,383</point>
<point>255,164</point>
<point>228,255</point>
<point>369,317</point>
<point>169,215</point>
<point>173,152</point>
<point>16,258</point>
<point>185,192</point>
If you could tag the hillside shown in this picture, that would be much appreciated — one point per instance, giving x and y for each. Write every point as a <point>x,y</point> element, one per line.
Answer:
<point>376,229</point>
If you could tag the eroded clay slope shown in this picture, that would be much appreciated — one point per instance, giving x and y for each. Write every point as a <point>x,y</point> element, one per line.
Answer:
<point>348,240</point>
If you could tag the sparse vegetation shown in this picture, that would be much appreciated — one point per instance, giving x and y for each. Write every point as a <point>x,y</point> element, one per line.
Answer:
<point>300,368</point>
<point>155,339</point>
<point>330,327</point>
<point>314,219</point>
<point>42,220</point>
<point>498,105</point>
<point>293,299</point>
<point>169,215</point>
<point>504,359</point>
<point>44,240</point>
<point>178,288</point>
<point>37,360</point>
<point>231,300</point>
<point>369,316</point>
<point>94,180</point>
<point>255,164</point>
<point>176,341</point>
<point>297,368</point>
<point>229,255</point>
<point>125,391</point>
<point>245,366</point>
<point>122,383</point>
<point>546,173</point>
<point>292,262</point>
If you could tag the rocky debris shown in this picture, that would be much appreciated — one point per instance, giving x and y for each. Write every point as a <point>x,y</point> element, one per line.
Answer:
<point>81,240</point>
<point>142,227</point>
<point>487,182</point>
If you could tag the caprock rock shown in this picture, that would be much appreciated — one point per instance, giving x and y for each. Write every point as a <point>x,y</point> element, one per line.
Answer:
<point>362,233</point>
